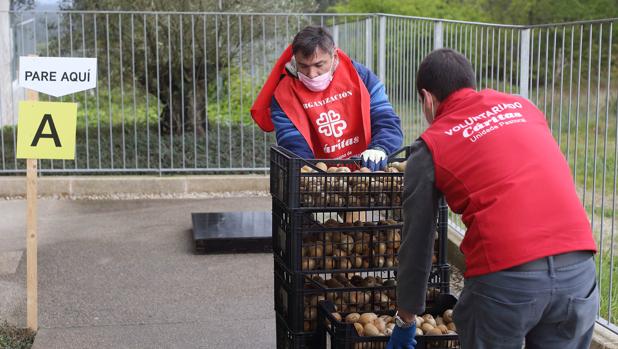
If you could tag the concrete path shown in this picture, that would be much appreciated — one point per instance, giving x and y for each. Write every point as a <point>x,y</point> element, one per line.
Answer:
<point>122,274</point>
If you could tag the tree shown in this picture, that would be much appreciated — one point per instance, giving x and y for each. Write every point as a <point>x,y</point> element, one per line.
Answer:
<point>526,12</point>
<point>202,39</point>
<point>469,10</point>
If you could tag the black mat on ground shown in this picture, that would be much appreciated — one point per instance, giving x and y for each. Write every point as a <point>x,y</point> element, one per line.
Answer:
<point>232,232</point>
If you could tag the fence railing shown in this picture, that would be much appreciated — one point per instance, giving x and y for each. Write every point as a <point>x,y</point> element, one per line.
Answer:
<point>174,90</point>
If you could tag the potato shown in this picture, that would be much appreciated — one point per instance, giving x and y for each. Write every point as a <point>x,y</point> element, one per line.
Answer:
<point>331,223</point>
<point>307,326</point>
<point>380,248</point>
<point>367,318</point>
<point>336,316</point>
<point>389,262</point>
<point>370,330</point>
<point>357,262</point>
<point>434,331</point>
<point>322,166</point>
<point>364,297</point>
<point>308,263</point>
<point>448,316</point>
<point>387,318</point>
<point>419,321</point>
<point>401,166</point>
<point>359,247</point>
<point>337,253</point>
<point>343,169</point>
<point>344,263</point>
<point>391,169</point>
<point>356,280</point>
<point>451,326</point>
<point>359,328</point>
<point>426,327</point>
<point>311,313</point>
<point>380,324</point>
<point>378,261</point>
<point>332,169</point>
<point>442,328</point>
<point>429,319</point>
<point>334,283</point>
<point>439,321</point>
<point>306,169</point>
<point>329,263</point>
<point>346,244</point>
<point>352,318</point>
<point>315,251</point>
<point>419,332</point>
<point>365,170</point>
<point>365,263</point>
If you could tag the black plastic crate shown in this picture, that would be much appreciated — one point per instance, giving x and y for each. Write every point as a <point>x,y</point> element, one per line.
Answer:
<point>288,339</point>
<point>297,295</point>
<point>341,240</point>
<point>298,183</point>
<point>344,335</point>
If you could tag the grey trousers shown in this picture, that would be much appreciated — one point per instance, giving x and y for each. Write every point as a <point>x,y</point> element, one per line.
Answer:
<point>551,309</point>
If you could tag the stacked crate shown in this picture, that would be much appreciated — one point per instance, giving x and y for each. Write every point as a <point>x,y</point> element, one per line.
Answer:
<point>336,233</point>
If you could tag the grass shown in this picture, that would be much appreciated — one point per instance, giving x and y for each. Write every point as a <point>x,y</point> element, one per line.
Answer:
<point>12,337</point>
<point>608,286</point>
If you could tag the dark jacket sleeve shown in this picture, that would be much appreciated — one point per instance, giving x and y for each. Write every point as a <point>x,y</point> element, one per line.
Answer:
<point>386,133</point>
<point>287,134</point>
<point>420,210</point>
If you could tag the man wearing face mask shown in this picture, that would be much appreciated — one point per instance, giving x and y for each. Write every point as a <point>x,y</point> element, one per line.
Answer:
<point>528,247</point>
<point>324,105</point>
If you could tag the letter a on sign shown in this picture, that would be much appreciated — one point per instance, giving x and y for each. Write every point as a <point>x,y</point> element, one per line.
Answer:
<point>46,130</point>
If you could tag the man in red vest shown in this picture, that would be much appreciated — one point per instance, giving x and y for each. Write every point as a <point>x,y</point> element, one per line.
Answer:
<point>528,247</point>
<point>324,105</point>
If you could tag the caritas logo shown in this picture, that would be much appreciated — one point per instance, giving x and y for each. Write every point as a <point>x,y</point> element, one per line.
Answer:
<point>330,124</point>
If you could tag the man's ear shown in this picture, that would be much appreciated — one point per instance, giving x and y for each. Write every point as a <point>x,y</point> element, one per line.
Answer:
<point>428,105</point>
<point>427,98</point>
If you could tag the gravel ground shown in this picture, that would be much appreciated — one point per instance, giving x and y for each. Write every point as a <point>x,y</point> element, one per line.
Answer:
<point>457,281</point>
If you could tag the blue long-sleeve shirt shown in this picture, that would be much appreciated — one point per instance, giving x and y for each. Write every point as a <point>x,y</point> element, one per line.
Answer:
<point>386,131</point>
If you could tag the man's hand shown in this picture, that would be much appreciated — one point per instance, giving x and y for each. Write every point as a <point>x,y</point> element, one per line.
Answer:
<point>374,159</point>
<point>402,338</point>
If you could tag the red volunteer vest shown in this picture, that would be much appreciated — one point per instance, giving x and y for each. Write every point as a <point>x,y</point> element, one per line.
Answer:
<point>499,166</point>
<point>335,122</point>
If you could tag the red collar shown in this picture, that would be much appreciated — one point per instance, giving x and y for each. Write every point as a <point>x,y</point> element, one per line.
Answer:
<point>452,101</point>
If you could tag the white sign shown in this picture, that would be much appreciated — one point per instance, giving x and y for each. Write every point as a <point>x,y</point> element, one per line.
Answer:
<point>57,76</point>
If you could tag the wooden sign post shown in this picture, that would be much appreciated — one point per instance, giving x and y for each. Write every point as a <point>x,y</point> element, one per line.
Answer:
<point>32,315</point>
<point>46,130</point>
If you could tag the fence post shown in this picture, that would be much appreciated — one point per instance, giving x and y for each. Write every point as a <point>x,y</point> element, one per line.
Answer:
<point>336,34</point>
<point>6,53</point>
<point>524,72</point>
<point>368,44</point>
<point>382,50</point>
<point>438,35</point>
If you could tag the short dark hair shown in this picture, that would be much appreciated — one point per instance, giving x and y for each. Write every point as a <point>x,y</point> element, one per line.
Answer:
<point>310,38</point>
<point>443,72</point>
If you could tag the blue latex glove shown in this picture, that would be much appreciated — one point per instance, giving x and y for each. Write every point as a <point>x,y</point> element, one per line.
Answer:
<point>402,338</point>
<point>374,159</point>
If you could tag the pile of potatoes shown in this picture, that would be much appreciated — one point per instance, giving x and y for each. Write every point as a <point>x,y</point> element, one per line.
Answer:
<point>370,324</point>
<point>440,325</point>
<point>352,301</point>
<point>350,191</point>
<point>352,250</point>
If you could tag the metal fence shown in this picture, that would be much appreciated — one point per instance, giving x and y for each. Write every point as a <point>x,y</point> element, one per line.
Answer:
<point>174,90</point>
